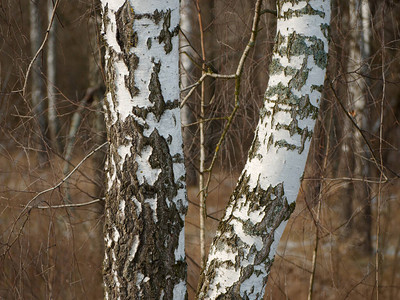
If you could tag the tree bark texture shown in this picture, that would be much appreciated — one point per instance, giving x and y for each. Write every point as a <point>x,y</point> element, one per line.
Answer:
<point>146,194</point>
<point>243,250</point>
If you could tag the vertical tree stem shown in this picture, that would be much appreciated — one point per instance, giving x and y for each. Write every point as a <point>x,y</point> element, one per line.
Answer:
<point>38,92</point>
<point>54,123</point>
<point>315,252</point>
<point>379,200</point>
<point>317,221</point>
<point>203,197</point>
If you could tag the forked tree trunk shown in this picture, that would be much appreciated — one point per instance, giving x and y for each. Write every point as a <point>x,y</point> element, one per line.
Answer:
<point>243,250</point>
<point>146,195</point>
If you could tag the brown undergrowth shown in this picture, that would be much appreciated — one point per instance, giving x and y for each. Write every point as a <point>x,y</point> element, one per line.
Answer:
<point>48,253</point>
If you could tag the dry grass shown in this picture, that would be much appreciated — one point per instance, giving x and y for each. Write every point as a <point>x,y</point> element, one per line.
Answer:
<point>50,253</point>
<point>58,253</point>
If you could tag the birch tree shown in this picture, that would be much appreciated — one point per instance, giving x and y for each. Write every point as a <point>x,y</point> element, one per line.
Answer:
<point>243,250</point>
<point>146,196</point>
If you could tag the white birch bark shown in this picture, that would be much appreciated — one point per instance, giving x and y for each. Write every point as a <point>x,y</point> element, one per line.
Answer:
<point>243,250</point>
<point>146,195</point>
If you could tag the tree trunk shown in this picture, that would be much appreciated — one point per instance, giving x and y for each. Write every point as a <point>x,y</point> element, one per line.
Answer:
<point>243,250</point>
<point>354,160</point>
<point>37,80</point>
<point>96,80</point>
<point>187,72</point>
<point>146,195</point>
<point>54,122</point>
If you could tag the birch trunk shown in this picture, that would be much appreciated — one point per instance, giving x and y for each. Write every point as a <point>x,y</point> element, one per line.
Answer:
<point>243,250</point>
<point>146,195</point>
<point>37,80</point>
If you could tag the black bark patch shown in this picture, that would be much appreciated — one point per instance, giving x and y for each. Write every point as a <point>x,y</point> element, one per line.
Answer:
<point>127,39</point>
<point>156,95</point>
<point>166,35</point>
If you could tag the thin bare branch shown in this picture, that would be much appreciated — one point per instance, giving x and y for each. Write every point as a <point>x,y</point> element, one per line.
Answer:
<point>67,205</point>
<point>28,207</point>
<point>238,75</point>
<point>199,82</point>
<point>269,11</point>
<point>40,48</point>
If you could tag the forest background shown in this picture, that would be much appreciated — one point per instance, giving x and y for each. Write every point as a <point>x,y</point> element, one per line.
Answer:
<point>347,209</point>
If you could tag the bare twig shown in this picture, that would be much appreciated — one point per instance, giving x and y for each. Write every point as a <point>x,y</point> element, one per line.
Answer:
<point>206,120</point>
<point>200,81</point>
<point>66,177</point>
<point>315,252</point>
<point>292,262</point>
<point>67,205</point>
<point>28,207</point>
<point>269,11</point>
<point>348,179</point>
<point>40,48</point>
<point>317,221</point>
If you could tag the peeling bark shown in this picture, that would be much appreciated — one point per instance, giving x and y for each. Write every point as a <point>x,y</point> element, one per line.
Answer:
<point>146,194</point>
<point>243,250</point>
